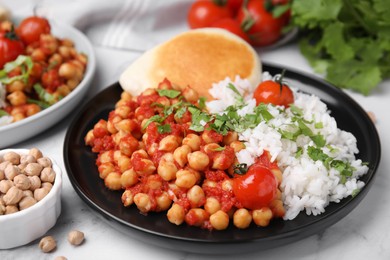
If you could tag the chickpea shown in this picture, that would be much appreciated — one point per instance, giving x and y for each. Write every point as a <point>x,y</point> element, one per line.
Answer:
<point>193,141</point>
<point>262,216</point>
<point>212,205</point>
<point>35,182</point>
<point>4,165</point>
<point>72,83</point>
<point>277,208</point>
<point>198,160</point>
<point>40,193</point>
<point>22,182</point>
<point>47,185</point>
<point>48,175</point>
<point>167,170</point>
<point>163,202</point>
<point>237,146</point>
<point>168,143</point>
<point>211,147</point>
<point>17,116</point>
<point>11,171</point>
<point>33,169</point>
<point>15,86</point>
<point>123,111</point>
<point>227,185</point>
<point>2,175</point>
<point>180,154</point>
<point>13,196</point>
<point>47,244</point>
<point>278,175</point>
<point>38,55</point>
<point>60,258</point>
<point>26,158</point>
<point>129,178</point>
<point>242,218</point>
<point>5,185</point>
<point>55,59</point>
<point>2,209</point>
<point>12,157</point>
<point>196,217</point>
<point>26,202</point>
<point>196,196</point>
<point>9,209</point>
<point>143,202</point>
<point>32,109</point>
<point>127,198</point>
<point>89,137</point>
<point>219,220</point>
<point>113,181</point>
<point>45,162</point>
<point>185,179</point>
<point>17,98</point>
<point>35,152</point>
<point>230,137</point>
<point>176,214</point>
<point>75,237</point>
<point>148,169</point>
<point>190,94</point>
<point>28,193</point>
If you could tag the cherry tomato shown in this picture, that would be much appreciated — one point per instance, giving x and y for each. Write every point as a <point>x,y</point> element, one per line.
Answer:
<point>10,48</point>
<point>232,26</point>
<point>274,92</point>
<point>31,28</point>
<point>234,5</point>
<point>204,13</point>
<point>263,29</point>
<point>256,188</point>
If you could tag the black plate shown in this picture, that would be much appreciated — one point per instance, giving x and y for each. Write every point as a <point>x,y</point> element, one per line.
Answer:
<point>155,228</point>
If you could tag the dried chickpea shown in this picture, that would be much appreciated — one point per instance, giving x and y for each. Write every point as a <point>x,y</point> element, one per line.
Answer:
<point>4,165</point>
<point>9,209</point>
<point>47,185</point>
<point>48,175</point>
<point>5,185</point>
<point>11,171</point>
<point>33,169</point>
<point>13,196</point>
<point>22,182</point>
<point>26,158</point>
<point>2,175</point>
<point>12,157</point>
<point>75,237</point>
<point>26,202</point>
<point>28,193</point>
<point>35,182</point>
<point>40,193</point>
<point>2,209</point>
<point>47,244</point>
<point>35,152</point>
<point>45,162</point>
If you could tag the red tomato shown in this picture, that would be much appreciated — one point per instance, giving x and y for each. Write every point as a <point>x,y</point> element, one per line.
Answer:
<point>51,80</point>
<point>273,92</point>
<point>204,13</point>
<point>10,48</point>
<point>263,29</point>
<point>234,5</point>
<point>31,28</point>
<point>256,188</point>
<point>232,26</point>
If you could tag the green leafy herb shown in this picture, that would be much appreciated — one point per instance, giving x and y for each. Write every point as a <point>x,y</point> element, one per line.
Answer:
<point>346,40</point>
<point>155,118</point>
<point>43,94</point>
<point>239,98</point>
<point>164,129</point>
<point>42,104</point>
<point>219,149</point>
<point>3,113</point>
<point>171,93</point>
<point>202,103</point>
<point>26,65</point>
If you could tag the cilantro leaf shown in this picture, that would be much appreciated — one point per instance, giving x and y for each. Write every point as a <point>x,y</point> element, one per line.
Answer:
<point>171,93</point>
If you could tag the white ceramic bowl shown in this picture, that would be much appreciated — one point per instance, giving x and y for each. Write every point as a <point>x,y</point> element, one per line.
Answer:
<point>30,126</point>
<point>24,226</point>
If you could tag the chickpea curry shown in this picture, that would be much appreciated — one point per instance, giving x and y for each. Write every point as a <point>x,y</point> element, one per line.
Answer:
<point>37,69</point>
<point>168,154</point>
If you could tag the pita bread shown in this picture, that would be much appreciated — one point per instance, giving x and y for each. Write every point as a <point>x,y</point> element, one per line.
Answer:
<point>196,58</point>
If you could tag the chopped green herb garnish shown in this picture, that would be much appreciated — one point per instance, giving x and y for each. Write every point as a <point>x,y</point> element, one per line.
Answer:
<point>171,93</point>
<point>155,118</point>
<point>164,129</point>
<point>219,149</point>
<point>26,65</point>
<point>42,104</point>
<point>202,103</point>
<point>319,125</point>
<point>43,94</point>
<point>3,113</point>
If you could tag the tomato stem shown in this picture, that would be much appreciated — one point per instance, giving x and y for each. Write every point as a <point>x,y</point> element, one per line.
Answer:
<point>280,80</point>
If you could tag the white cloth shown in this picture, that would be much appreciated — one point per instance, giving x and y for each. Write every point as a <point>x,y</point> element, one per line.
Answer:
<point>135,25</point>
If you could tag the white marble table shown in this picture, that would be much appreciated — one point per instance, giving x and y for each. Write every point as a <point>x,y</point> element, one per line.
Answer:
<point>363,234</point>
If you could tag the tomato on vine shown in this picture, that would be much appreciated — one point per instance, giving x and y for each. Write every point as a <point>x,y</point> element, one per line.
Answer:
<point>260,24</point>
<point>256,188</point>
<point>203,13</point>
<point>10,47</point>
<point>31,28</point>
<point>274,92</point>
<point>232,26</point>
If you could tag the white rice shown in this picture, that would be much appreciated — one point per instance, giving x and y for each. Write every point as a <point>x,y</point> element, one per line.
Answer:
<point>307,185</point>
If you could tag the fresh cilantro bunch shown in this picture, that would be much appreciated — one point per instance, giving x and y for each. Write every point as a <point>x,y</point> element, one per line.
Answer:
<point>346,40</point>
